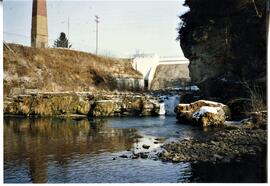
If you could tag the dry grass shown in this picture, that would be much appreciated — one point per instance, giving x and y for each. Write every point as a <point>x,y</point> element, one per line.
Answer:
<point>60,69</point>
<point>257,97</point>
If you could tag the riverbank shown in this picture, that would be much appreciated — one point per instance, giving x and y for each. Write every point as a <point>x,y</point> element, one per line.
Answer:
<point>89,104</point>
<point>228,144</point>
<point>28,69</point>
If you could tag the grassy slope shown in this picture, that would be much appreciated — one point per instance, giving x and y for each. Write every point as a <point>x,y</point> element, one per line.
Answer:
<point>60,70</point>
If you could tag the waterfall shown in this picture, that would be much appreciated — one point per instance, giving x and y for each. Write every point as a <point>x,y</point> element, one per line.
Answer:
<point>162,110</point>
<point>170,103</point>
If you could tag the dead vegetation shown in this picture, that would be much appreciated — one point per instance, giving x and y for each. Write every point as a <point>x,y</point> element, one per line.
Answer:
<point>60,70</point>
<point>257,97</point>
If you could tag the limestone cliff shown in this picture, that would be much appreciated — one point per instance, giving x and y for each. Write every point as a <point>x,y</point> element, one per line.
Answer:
<point>58,70</point>
<point>80,105</point>
<point>225,41</point>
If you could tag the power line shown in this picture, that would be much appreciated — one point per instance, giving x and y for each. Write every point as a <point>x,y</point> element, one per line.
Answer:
<point>78,46</point>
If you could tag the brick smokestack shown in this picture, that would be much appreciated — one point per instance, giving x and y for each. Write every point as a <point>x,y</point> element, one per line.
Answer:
<point>39,31</point>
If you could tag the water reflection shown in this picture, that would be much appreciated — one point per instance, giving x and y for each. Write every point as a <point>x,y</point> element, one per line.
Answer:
<point>70,151</point>
<point>35,142</point>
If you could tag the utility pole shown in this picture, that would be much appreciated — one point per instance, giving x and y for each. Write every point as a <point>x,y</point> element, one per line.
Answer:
<point>97,21</point>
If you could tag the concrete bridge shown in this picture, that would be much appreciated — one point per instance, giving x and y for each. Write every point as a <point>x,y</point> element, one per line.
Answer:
<point>147,64</point>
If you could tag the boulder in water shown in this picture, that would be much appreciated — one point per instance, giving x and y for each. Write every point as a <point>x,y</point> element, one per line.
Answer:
<point>209,116</point>
<point>203,112</point>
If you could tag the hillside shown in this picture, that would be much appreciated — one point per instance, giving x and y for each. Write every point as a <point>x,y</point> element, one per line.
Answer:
<point>170,76</point>
<point>55,70</point>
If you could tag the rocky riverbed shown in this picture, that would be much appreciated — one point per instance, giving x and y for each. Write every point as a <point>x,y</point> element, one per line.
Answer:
<point>223,146</point>
<point>227,144</point>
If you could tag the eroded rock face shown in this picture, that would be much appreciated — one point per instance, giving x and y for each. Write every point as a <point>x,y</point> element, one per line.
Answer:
<point>203,113</point>
<point>150,107</point>
<point>225,42</point>
<point>106,108</point>
<point>70,104</point>
<point>47,105</point>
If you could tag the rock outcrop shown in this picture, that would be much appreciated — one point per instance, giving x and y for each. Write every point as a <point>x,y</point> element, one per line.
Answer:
<point>203,113</point>
<point>225,42</point>
<point>150,107</point>
<point>80,104</point>
<point>126,106</point>
<point>47,105</point>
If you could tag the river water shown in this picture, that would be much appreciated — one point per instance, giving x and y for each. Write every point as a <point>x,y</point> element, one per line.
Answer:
<point>88,151</point>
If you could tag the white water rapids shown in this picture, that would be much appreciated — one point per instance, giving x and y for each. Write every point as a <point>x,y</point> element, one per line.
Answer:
<point>167,105</point>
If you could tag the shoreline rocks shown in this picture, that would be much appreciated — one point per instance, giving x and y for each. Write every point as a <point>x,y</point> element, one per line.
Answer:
<point>81,104</point>
<point>224,146</point>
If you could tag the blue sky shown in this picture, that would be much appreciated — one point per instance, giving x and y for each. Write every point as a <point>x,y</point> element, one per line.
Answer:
<point>125,26</point>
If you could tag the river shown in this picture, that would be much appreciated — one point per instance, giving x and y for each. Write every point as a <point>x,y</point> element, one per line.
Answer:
<point>88,151</point>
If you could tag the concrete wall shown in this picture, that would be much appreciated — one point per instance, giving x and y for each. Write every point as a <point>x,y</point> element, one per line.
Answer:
<point>129,84</point>
<point>170,76</point>
<point>147,64</point>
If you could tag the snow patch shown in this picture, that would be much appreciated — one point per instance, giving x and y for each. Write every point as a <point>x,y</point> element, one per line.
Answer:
<point>206,109</point>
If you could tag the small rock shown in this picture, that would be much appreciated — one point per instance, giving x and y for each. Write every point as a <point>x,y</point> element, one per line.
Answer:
<point>175,159</point>
<point>143,156</point>
<point>187,139</point>
<point>160,139</point>
<point>213,142</point>
<point>123,156</point>
<point>226,160</point>
<point>134,157</point>
<point>218,156</point>
<point>146,146</point>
